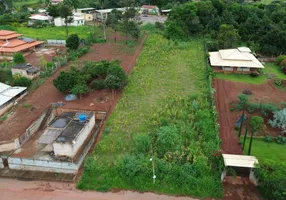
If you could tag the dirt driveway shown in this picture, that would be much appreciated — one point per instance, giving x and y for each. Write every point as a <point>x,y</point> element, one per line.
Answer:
<point>36,190</point>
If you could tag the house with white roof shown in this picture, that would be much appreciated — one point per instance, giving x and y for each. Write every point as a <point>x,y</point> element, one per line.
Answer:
<point>77,21</point>
<point>46,19</point>
<point>239,60</point>
<point>8,95</point>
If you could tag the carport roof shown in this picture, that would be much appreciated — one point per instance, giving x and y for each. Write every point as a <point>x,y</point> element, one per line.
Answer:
<point>239,160</point>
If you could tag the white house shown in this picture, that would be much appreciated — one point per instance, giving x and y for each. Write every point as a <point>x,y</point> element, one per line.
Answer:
<point>40,17</point>
<point>77,21</point>
<point>239,60</point>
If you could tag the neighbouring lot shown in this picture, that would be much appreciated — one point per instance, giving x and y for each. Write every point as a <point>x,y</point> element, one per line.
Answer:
<point>39,100</point>
<point>158,93</point>
<point>226,92</point>
<point>56,33</point>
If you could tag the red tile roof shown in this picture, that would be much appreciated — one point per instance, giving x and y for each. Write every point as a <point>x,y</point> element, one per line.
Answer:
<point>10,43</point>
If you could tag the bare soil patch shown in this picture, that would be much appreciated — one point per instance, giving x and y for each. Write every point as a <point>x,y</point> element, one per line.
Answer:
<point>41,98</point>
<point>227,91</point>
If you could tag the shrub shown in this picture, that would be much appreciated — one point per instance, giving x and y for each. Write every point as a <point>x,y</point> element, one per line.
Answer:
<point>253,74</point>
<point>280,140</point>
<point>18,58</point>
<point>280,58</point>
<point>279,120</point>
<point>22,81</point>
<point>159,26</point>
<point>253,107</point>
<point>243,101</point>
<point>278,82</point>
<point>64,82</point>
<point>97,84</point>
<point>142,144</point>
<point>267,109</point>
<point>272,179</point>
<point>268,138</point>
<point>256,123</point>
<point>72,42</point>
<point>79,89</point>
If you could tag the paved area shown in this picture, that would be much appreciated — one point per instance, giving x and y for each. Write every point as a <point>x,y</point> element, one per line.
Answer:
<point>30,190</point>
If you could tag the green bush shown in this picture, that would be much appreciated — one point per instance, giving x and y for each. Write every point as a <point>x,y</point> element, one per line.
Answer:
<point>72,42</point>
<point>18,58</point>
<point>280,58</point>
<point>22,81</point>
<point>280,139</point>
<point>268,138</point>
<point>243,101</point>
<point>159,26</point>
<point>267,109</point>
<point>142,144</point>
<point>272,179</point>
<point>278,82</point>
<point>97,84</point>
<point>253,107</point>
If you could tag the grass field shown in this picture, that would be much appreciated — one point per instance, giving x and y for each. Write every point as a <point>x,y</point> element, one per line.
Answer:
<point>267,151</point>
<point>56,33</point>
<point>33,3</point>
<point>270,69</point>
<point>163,71</point>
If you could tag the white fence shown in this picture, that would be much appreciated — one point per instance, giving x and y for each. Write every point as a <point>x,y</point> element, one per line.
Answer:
<point>56,42</point>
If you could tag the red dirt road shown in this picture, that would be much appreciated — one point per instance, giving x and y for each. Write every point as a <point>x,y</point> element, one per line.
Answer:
<point>36,190</point>
<point>227,91</point>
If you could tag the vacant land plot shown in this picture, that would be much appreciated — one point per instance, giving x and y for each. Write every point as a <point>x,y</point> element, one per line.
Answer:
<point>266,150</point>
<point>157,94</point>
<point>271,70</point>
<point>226,92</point>
<point>56,33</point>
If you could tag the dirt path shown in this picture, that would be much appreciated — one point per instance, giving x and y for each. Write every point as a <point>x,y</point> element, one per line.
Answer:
<point>35,190</point>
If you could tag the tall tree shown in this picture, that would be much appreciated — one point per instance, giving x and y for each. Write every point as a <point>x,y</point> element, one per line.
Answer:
<point>256,124</point>
<point>54,11</point>
<point>66,14</point>
<point>128,22</point>
<point>113,20</point>
<point>228,36</point>
<point>72,3</point>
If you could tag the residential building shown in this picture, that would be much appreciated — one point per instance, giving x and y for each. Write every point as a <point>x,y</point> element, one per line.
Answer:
<point>77,21</point>
<point>26,70</point>
<point>56,2</point>
<point>8,95</point>
<point>88,14</point>
<point>45,19</point>
<point>239,60</point>
<point>11,43</point>
<point>150,10</point>
<point>102,14</point>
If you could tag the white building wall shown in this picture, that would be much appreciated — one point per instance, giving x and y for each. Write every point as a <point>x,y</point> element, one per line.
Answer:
<point>70,149</point>
<point>60,22</point>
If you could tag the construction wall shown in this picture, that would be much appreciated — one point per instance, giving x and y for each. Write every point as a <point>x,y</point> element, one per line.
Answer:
<point>1,163</point>
<point>99,115</point>
<point>43,165</point>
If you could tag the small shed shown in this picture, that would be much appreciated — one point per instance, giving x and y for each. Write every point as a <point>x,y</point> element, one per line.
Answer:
<point>241,164</point>
<point>26,70</point>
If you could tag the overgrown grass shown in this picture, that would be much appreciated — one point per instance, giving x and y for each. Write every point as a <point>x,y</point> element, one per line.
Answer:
<point>157,94</point>
<point>270,70</point>
<point>30,3</point>
<point>56,33</point>
<point>266,150</point>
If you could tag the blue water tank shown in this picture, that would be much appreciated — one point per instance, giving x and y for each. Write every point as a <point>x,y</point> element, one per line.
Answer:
<point>82,118</point>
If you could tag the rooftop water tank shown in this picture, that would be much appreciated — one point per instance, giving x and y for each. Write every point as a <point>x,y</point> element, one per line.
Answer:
<point>82,118</point>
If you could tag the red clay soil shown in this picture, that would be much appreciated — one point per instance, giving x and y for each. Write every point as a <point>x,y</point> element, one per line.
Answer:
<point>226,92</point>
<point>41,98</point>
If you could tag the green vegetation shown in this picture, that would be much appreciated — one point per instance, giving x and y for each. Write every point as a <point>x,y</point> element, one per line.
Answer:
<point>266,150</point>
<point>166,98</point>
<point>242,78</point>
<point>29,3</point>
<point>271,69</point>
<point>56,33</point>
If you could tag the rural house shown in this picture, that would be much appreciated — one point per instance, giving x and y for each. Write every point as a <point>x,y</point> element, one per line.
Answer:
<point>26,70</point>
<point>56,2</point>
<point>43,18</point>
<point>88,14</point>
<point>239,60</point>
<point>77,21</point>
<point>8,95</point>
<point>150,10</point>
<point>10,43</point>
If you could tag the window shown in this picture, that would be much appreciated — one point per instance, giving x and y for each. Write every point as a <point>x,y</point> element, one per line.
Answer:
<point>228,68</point>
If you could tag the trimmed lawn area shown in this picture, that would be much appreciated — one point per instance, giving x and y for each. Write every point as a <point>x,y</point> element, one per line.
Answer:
<point>157,101</point>
<point>56,33</point>
<point>270,69</point>
<point>266,150</point>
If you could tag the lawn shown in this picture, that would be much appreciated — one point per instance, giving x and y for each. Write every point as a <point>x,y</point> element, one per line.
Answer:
<point>56,33</point>
<point>33,3</point>
<point>157,99</point>
<point>267,151</point>
<point>269,70</point>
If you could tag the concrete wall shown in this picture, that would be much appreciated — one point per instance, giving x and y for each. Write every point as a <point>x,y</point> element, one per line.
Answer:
<point>252,177</point>
<point>1,164</point>
<point>42,165</point>
<point>60,22</point>
<point>99,115</point>
<point>71,149</point>
<point>8,146</point>
<point>6,108</point>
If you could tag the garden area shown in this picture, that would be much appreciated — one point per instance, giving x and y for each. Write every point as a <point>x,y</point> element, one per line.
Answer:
<point>156,140</point>
<point>271,71</point>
